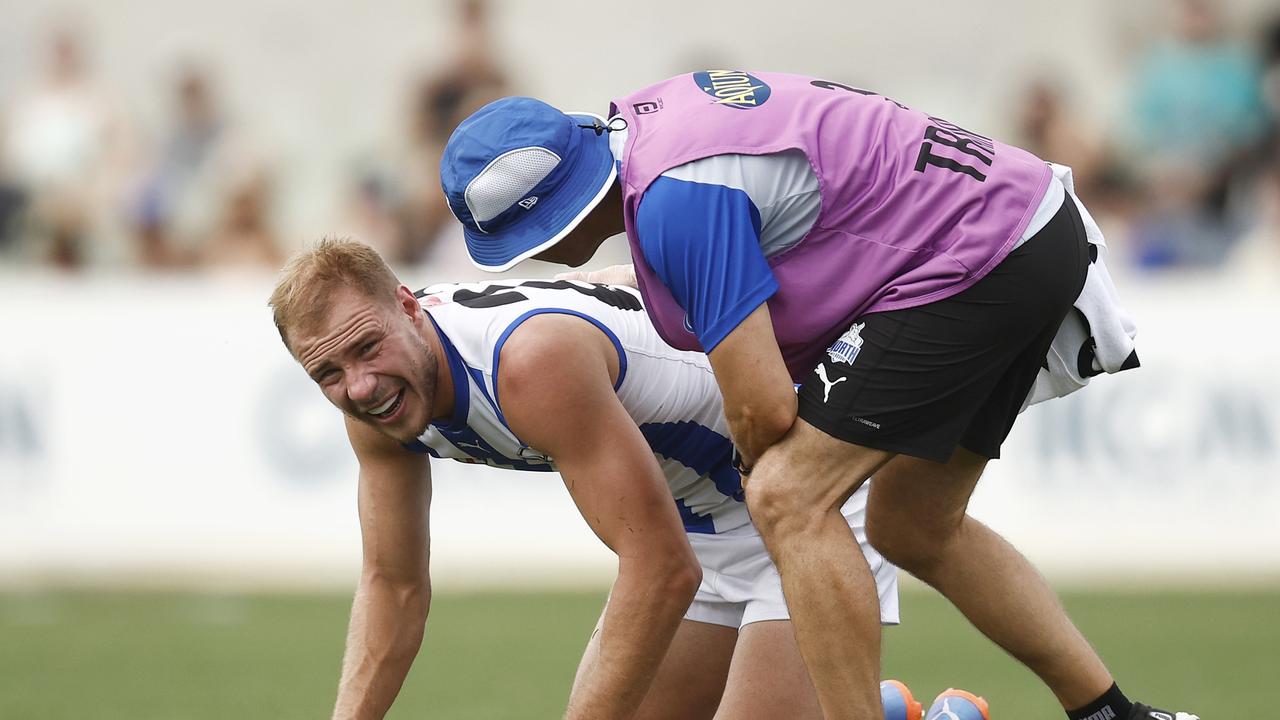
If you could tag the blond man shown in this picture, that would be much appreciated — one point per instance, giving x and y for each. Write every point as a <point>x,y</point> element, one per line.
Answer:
<point>541,376</point>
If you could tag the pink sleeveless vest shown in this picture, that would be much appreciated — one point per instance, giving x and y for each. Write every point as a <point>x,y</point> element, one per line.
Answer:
<point>914,209</point>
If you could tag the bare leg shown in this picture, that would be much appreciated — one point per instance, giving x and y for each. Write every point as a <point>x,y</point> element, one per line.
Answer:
<point>916,518</point>
<point>591,655</point>
<point>692,676</point>
<point>795,494</point>
<point>767,680</point>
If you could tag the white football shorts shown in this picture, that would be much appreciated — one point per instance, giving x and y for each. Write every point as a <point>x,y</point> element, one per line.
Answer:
<point>740,584</point>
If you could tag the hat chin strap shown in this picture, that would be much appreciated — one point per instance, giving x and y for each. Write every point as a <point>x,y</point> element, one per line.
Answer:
<point>602,128</point>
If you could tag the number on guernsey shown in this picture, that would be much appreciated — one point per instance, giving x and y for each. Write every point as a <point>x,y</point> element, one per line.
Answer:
<point>978,151</point>
<point>497,294</point>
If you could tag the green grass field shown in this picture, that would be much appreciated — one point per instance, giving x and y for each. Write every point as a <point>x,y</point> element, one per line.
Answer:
<point>512,655</point>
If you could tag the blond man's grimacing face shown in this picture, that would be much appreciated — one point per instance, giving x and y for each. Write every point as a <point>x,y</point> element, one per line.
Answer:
<point>370,360</point>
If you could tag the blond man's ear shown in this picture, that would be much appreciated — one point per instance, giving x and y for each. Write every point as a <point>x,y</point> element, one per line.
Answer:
<point>406,301</point>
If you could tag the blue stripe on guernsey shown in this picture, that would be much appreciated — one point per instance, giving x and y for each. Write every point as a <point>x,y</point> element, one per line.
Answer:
<point>417,446</point>
<point>455,429</point>
<point>502,339</point>
<point>693,522</point>
<point>698,448</point>
<point>478,378</point>
<point>469,441</point>
<point>458,372</point>
<point>703,241</point>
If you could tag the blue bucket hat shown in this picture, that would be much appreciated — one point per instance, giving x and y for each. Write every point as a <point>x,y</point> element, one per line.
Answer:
<point>520,175</point>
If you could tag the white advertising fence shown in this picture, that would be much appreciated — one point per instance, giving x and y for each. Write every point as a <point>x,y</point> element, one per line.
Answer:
<point>156,431</point>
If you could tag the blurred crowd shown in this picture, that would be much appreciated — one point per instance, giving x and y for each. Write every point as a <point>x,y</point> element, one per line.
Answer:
<point>1187,177</point>
<point>79,186</point>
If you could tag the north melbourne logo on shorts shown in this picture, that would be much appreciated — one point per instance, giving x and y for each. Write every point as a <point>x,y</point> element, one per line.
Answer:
<point>846,349</point>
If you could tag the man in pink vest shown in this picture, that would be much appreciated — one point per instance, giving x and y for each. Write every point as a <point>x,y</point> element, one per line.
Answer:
<point>909,274</point>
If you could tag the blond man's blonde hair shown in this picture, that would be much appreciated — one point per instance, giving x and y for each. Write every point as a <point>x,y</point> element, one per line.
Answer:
<point>312,275</point>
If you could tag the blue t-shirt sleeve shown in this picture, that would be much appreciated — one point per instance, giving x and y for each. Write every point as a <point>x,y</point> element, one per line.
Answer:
<point>703,242</point>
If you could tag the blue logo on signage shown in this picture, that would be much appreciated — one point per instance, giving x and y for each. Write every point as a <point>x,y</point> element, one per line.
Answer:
<point>734,88</point>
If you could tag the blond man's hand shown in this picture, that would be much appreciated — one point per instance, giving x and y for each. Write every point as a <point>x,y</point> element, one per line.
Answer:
<point>612,275</point>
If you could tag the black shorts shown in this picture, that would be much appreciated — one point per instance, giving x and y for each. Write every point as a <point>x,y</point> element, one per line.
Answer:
<point>923,380</point>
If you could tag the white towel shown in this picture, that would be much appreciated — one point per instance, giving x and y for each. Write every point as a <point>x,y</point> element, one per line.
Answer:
<point>1097,334</point>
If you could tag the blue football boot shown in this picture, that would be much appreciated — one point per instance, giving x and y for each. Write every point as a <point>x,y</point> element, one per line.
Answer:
<point>955,704</point>
<point>898,702</point>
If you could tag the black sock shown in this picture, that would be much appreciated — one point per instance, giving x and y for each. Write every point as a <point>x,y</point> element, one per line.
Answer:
<point>1112,704</point>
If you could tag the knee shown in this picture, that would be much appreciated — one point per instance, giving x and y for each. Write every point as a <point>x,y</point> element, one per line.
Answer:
<point>906,544</point>
<point>779,508</point>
